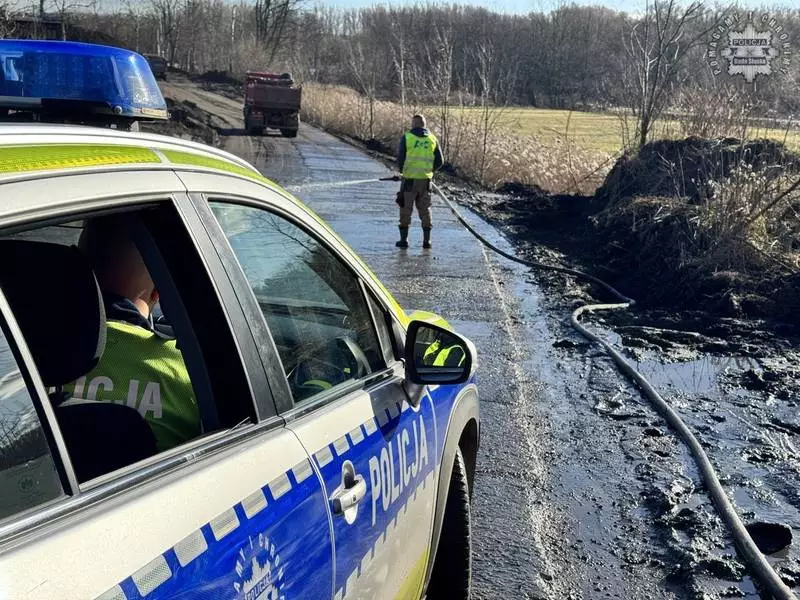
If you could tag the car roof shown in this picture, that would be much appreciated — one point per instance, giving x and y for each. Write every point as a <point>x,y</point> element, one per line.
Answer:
<point>39,151</point>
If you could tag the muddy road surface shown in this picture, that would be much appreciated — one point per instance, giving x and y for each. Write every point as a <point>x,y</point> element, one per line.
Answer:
<point>581,491</point>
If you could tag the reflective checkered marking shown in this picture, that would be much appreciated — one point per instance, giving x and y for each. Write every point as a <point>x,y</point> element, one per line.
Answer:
<point>151,576</point>
<point>156,572</point>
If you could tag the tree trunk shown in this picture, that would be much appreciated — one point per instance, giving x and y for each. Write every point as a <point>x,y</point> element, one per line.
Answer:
<point>644,128</point>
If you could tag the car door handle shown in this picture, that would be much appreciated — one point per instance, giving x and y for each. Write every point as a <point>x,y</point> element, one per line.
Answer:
<point>348,497</point>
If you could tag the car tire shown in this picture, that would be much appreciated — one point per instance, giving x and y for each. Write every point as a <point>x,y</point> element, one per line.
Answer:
<point>289,133</point>
<point>452,570</point>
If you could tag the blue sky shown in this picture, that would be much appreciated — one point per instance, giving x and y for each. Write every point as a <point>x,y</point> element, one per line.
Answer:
<point>524,6</point>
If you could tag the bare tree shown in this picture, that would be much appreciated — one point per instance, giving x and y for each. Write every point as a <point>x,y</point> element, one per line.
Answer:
<point>438,76</point>
<point>167,16</point>
<point>6,20</point>
<point>309,38</point>
<point>232,48</point>
<point>368,65</point>
<point>271,19</point>
<point>495,85</point>
<point>656,47</point>
<point>136,10</point>
<point>65,9</point>
<point>193,22</point>
<point>400,52</point>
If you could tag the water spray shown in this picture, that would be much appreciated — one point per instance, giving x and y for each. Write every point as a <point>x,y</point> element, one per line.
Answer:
<point>336,184</point>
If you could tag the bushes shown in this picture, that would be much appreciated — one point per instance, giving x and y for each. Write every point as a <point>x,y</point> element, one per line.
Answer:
<point>557,167</point>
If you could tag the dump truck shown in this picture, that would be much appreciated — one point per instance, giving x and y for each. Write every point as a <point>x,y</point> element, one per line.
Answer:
<point>271,101</point>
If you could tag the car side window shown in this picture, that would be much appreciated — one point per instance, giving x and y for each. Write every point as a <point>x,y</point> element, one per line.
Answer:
<point>120,321</point>
<point>28,475</point>
<point>312,302</point>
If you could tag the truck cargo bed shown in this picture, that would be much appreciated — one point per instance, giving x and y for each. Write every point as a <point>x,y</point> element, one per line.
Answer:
<point>272,97</point>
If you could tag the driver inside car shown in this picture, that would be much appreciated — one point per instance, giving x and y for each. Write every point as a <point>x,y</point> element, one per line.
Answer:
<point>141,365</point>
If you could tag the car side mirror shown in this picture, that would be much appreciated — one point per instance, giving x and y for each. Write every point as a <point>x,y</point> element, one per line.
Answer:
<point>437,356</point>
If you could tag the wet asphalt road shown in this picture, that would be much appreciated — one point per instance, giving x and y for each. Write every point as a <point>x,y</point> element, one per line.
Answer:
<point>545,521</point>
<point>581,492</point>
<point>457,280</point>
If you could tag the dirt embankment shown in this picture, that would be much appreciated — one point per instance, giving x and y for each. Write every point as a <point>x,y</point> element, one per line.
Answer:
<point>196,116</point>
<point>697,226</point>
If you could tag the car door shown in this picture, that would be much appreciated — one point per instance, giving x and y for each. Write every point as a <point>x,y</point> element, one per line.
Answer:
<point>239,512</point>
<point>373,446</point>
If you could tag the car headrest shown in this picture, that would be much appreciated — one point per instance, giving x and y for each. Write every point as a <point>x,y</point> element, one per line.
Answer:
<point>57,303</point>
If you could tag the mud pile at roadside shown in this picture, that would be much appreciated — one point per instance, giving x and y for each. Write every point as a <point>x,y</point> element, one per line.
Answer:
<point>676,226</point>
<point>687,168</point>
<point>186,121</point>
<point>682,218</point>
<point>221,82</point>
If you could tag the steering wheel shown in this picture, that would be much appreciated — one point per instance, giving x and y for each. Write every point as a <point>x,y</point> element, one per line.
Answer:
<point>327,365</point>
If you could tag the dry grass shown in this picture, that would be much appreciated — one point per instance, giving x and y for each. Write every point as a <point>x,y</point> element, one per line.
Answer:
<point>560,151</point>
<point>555,163</point>
<point>742,216</point>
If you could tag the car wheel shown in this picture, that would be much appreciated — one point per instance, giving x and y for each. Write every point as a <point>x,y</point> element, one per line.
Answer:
<point>452,569</point>
<point>290,133</point>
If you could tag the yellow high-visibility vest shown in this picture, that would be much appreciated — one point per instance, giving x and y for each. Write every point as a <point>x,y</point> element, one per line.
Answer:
<point>146,372</point>
<point>420,152</point>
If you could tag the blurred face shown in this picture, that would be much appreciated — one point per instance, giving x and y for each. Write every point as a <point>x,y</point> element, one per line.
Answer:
<point>118,265</point>
<point>140,284</point>
<point>126,274</point>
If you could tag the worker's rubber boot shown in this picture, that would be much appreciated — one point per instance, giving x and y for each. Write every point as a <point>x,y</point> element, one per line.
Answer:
<point>403,243</point>
<point>426,237</point>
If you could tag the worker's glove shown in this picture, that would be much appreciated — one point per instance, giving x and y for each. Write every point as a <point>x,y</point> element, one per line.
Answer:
<point>400,199</point>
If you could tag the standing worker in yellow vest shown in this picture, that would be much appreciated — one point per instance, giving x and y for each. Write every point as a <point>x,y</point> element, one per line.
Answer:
<point>418,157</point>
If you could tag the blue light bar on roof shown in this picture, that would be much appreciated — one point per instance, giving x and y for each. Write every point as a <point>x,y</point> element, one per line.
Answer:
<point>48,76</point>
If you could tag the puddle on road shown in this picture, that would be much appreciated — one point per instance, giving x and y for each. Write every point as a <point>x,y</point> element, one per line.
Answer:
<point>696,377</point>
<point>743,409</point>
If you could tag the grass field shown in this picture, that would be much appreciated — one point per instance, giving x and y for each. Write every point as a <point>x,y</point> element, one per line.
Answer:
<point>601,131</point>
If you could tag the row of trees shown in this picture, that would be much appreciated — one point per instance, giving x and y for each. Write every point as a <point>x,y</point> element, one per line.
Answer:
<point>575,56</point>
<point>437,54</point>
<point>195,35</point>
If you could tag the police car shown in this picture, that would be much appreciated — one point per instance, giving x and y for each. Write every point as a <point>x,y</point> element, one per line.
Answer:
<point>335,436</point>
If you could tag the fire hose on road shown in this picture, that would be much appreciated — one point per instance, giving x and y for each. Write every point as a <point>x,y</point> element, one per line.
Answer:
<point>759,566</point>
